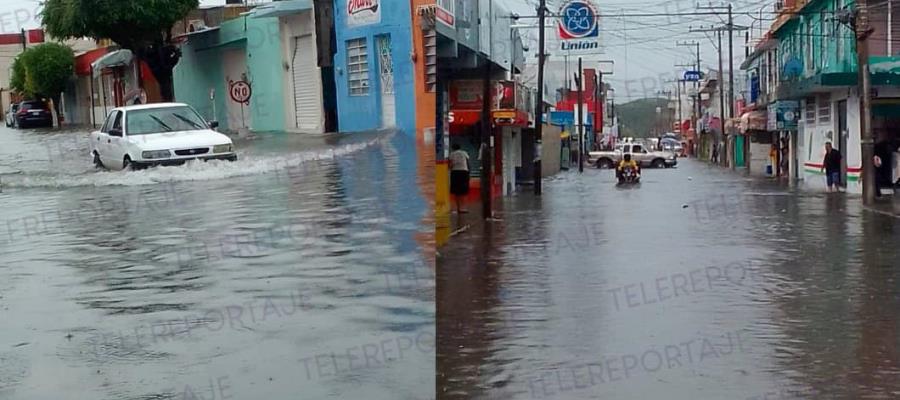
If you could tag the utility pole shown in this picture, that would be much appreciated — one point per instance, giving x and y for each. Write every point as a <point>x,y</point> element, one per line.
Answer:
<point>579,78</point>
<point>863,31</point>
<point>721,81</point>
<point>486,145</point>
<point>539,108</point>
<point>730,61</point>
<point>730,27</point>
<point>696,108</point>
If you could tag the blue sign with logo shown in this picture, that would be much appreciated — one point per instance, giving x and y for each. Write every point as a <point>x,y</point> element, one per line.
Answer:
<point>693,76</point>
<point>579,26</point>
<point>578,20</point>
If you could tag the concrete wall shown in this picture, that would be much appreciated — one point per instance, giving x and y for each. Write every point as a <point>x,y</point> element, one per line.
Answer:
<point>203,68</point>
<point>550,151</point>
<point>361,113</point>
<point>426,102</point>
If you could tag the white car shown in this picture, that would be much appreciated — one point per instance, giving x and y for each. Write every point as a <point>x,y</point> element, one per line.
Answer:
<point>141,136</point>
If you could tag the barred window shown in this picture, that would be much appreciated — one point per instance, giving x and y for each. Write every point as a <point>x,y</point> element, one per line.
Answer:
<point>824,110</point>
<point>810,111</point>
<point>358,67</point>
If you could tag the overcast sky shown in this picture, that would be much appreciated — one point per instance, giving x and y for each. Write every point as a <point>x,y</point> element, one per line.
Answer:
<point>643,47</point>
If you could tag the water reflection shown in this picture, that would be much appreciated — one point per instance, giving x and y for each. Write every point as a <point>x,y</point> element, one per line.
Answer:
<point>531,296</point>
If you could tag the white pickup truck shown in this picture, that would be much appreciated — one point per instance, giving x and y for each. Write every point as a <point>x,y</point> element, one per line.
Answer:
<point>639,152</point>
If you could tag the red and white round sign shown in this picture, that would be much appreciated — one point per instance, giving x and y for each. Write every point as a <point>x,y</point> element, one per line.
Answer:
<point>241,92</point>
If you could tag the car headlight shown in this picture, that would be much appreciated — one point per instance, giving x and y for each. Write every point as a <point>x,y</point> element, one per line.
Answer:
<point>222,148</point>
<point>155,154</point>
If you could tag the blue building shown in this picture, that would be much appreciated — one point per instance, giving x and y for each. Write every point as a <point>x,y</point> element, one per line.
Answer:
<point>374,74</point>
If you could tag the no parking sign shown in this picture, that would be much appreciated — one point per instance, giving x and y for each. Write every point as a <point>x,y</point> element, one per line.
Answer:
<point>241,92</point>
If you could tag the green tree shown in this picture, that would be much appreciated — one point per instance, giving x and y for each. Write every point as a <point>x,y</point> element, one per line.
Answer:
<point>142,26</point>
<point>17,80</point>
<point>48,69</point>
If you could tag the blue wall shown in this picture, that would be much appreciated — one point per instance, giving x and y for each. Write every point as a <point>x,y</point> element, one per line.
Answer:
<point>198,71</point>
<point>362,113</point>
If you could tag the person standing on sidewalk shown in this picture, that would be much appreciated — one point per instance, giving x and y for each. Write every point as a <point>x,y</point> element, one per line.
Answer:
<point>459,176</point>
<point>832,167</point>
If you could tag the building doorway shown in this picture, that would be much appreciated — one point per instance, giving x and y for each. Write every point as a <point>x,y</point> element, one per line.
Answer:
<point>386,73</point>
<point>307,99</point>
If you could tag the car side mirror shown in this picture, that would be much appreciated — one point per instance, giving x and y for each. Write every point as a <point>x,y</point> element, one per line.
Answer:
<point>115,132</point>
<point>213,124</point>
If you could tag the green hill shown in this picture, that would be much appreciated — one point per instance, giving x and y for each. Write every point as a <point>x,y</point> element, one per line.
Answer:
<point>638,118</point>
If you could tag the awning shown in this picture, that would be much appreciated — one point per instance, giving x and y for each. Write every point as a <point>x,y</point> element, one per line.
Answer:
<point>281,8</point>
<point>754,121</point>
<point>84,60</point>
<point>118,58</point>
<point>239,42</point>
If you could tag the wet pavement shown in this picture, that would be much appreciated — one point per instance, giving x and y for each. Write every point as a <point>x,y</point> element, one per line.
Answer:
<point>698,284</point>
<point>298,271</point>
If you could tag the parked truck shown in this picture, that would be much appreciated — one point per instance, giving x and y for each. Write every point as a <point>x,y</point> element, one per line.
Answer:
<point>639,153</point>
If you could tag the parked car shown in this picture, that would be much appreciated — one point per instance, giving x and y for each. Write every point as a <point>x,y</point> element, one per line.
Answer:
<point>141,136</point>
<point>654,159</point>
<point>10,117</point>
<point>673,146</point>
<point>34,113</point>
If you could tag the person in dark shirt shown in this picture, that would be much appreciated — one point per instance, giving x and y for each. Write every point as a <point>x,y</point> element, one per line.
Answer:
<point>883,163</point>
<point>832,167</point>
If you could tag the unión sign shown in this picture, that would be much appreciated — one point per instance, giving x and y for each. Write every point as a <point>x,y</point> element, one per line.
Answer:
<point>579,26</point>
<point>363,12</point>
<point>241,92</point>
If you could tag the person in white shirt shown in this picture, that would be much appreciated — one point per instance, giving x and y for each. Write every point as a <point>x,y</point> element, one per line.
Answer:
<point>459,176</point>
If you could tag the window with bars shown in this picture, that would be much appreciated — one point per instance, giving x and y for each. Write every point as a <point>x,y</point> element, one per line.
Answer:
<point>358,67</point>
<point>810,111</point>
<point>824,110</point>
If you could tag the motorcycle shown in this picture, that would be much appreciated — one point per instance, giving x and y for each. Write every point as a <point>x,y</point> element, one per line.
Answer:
<point>629,176</point>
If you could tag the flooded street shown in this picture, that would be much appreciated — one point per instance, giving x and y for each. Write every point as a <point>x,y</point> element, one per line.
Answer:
<point>299,271</point>
<point>698,284</point>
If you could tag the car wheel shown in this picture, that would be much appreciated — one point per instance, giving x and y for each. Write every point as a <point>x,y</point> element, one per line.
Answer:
<point>97,162</point>
<point>127,164</point>
<point>658,163</point>
<point>604,163</point>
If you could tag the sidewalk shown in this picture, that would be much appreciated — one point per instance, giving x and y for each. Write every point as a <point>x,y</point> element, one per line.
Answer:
<point>888,205</point>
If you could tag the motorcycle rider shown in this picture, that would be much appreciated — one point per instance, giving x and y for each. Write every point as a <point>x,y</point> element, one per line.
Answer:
<point>627,162</point>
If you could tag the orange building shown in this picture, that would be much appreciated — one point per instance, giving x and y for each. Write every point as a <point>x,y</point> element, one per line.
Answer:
<point>425,58</point>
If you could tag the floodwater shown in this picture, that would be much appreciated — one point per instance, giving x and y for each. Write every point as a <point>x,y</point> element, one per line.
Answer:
<point>296,272</point>
<point>700,283</point>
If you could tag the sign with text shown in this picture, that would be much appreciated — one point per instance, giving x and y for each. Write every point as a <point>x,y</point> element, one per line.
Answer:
<point>446,12</point>
<point>693,76</point>
<point>363,12</point>
<point>241,92</point>
<point>579,27</point>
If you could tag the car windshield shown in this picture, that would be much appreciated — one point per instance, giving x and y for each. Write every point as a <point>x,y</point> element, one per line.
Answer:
<point>160,120</point>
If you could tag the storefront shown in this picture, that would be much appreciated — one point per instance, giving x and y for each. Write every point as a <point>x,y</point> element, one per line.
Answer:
<point>509,116</point>
<point>759,140</point>
<point>782,120</point>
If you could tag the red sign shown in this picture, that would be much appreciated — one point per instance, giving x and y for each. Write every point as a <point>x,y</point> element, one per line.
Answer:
<point>358,6</point>
<point>241,92</point>
<point>466,95</point>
